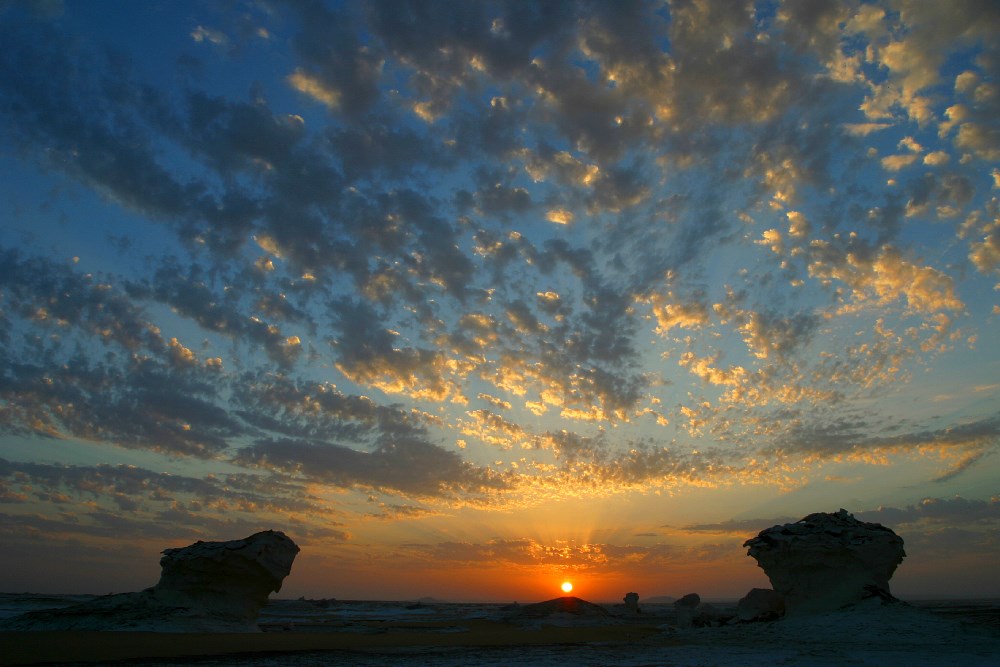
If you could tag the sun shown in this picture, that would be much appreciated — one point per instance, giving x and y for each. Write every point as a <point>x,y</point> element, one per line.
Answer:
<point>566,587</point>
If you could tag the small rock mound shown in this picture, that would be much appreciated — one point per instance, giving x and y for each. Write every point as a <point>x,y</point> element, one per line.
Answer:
<point>562,611</point>
<point>827,560</point>
<point>563,605</point>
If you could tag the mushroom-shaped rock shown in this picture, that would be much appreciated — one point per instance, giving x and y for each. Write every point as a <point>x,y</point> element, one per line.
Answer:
<point>631,603</point>
<point>827,560</point>
<point>231,578</point>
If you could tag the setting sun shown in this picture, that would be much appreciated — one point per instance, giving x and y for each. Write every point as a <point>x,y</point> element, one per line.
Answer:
<point>567,587</point>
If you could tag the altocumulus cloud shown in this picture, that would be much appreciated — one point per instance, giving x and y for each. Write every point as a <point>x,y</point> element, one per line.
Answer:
<point>442,254</point>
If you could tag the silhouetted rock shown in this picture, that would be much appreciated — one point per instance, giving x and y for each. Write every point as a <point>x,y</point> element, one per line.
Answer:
<point>562,611</point>
<point>631,603</point>
<point>232,579</point>
<point>826,561</point>
<point>205,587</point>
<point>706,614</point>
<point>692,612</point>
<point>691,600</point>
<point>563,605</point>
<point>760,604</point>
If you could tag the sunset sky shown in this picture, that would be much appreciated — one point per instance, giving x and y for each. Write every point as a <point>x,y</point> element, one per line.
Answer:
<point>472,298</point>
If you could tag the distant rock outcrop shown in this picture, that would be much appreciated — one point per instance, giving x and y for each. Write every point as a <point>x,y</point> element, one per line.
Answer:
<point>205,587</point>
<point>631,603</point>
<point>826,561</point>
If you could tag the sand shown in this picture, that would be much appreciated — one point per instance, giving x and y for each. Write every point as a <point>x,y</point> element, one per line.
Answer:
<point>23,648</point>
<point>397,635</point>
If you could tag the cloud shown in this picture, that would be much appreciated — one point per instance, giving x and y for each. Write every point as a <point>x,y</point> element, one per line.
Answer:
<point>527,552</point>
<point>985,254</point>
<point>203,34</point>
<point>560,216</point>
<point>493,429</point>
<point>367,355</point>
<point>145,392</point>
<point>238,137</point>
<point>190,295</point>
<point>411,466</point>
<point>864,129</point>
<point>111,153</point>
<point>143,502</point>
<point>386,448</point>
<point>640,247</point>
<point>143,404</point>
<point>769,335</point>
<point>897,162</point>
<point>747,527</point>
<point>383,148</point>
<point>497,198</point>
<point>962,444</point>
<point>937,159</point>
<point>392,512</point>
<point>339,70</point>
<point>670,313</point>
<point>955,511</point>
<point>883,275</point>
<point>314,87</point>
<point>55,297</point>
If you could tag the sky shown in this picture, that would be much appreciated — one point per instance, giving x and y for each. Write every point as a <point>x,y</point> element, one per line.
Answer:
<point>472,298</point>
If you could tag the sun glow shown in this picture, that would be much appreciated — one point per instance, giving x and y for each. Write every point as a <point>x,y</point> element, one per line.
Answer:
<point>566,587</point>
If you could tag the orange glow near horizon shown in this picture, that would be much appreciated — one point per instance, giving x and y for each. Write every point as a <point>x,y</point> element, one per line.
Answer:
<point>344,571</point>
<point>566,587</point>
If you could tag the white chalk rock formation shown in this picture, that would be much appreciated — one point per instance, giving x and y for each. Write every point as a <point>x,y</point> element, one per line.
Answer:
<point>229,579</point>
<point>631,603</point>
<point>826,561</point>
<point>760,604</point>
<point>205,587</point>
